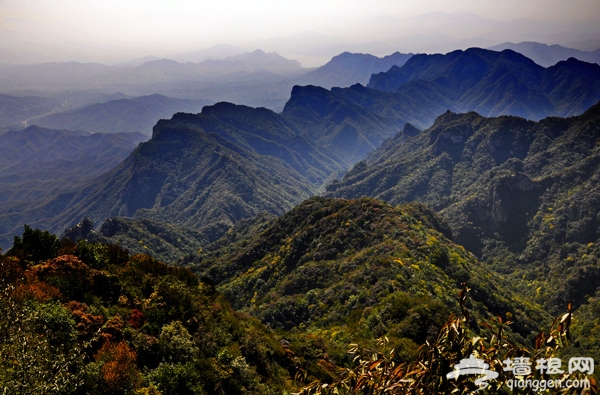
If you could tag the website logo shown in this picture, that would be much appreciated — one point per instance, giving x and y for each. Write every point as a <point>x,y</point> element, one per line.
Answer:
<point>473,366</point>
<point>522,367</point>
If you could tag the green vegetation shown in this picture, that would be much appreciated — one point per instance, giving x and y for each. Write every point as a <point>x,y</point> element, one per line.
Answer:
<point>166,242</point>
<point>203,172</point>
<point>378,371</point>
<point>350,271</point>
<point>90,319</point>
<point>330,275</point>
<point>521,195</point>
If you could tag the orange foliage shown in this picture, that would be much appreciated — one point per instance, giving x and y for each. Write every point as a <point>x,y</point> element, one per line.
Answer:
<point>119,371</point>
<point>87,324</point>
<point>64,264</point>
<point>36,290</point>
<point>10,269</point>
<point>112,330</point>
<point>137,319</point>
<point>74,278</point>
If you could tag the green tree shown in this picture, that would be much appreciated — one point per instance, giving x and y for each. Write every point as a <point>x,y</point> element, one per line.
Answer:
<point>35,355</point>
<point>35,246</point>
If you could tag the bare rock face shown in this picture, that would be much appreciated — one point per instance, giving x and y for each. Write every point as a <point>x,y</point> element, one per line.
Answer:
<point>505,192</point>
<point>451,140</point>
<point>81,230</point>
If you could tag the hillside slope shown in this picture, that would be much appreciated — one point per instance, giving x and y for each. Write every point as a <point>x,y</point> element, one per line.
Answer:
<point>521,194</point>
<point>357,269</point>
<point>203,171</point>
<point>37,161</point>
<point>137,114</point>
<point>337,124</point>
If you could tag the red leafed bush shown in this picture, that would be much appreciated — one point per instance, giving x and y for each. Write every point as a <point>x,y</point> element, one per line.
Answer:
<point>87,324</point>
<point>136,319</point>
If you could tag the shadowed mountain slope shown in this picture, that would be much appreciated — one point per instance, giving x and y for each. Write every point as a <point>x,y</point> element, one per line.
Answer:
<point>203,171</point>
<point>491,83</point>
<point>336,123</point>
<point>37,161</point>
<point>494,83</point>
<point>15,110</point>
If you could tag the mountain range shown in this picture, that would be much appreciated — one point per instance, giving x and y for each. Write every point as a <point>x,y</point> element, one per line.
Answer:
<point>138,114</point>
<point>204,171</point>
<point>255,78</point>
<point>350,270</point>
<point>347,69</point>
<point>522,195</point>
<point>494,83</point>
<point>474,173</point>
<point>15,110</point>
<point>77,75</point>
<point>549,55</point>
<point>491,83</point>
<point>255,159</point>
<point>38,161</point>
<point>338,124</point>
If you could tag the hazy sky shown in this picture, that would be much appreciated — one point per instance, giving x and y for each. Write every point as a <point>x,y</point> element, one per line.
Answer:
<point>114,29</point>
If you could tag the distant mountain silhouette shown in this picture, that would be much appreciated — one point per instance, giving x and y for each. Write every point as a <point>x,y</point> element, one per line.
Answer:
<point>549,55</point>
<point>347,69</point>
<point>37,161</point>
<point>257,79</point>
<point>491,83</point>
<point>137,114</point>
<point>14,110</point>
<point>219,51</point>
<point>54,74</point>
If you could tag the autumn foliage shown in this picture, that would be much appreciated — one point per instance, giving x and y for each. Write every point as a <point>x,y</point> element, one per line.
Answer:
<point>119,370</point>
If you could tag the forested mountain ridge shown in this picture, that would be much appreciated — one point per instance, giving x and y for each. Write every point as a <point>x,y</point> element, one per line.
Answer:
<point>520,194</point>
<point>338,124</point>
<point>340,265</point>
<point>206,170</point>
<point>496,83</point>
<point>329,273</point>
<point>90,318</point>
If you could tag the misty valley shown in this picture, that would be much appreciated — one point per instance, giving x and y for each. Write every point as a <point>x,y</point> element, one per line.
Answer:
<point>241,224</point>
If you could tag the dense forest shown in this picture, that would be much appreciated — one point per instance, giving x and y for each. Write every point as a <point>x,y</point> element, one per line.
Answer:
<point>89,318</point>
